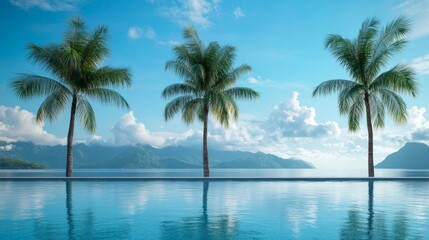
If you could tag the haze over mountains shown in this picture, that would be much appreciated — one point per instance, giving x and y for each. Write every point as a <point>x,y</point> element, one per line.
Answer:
<point>413,155</point>
<point>143,156</point>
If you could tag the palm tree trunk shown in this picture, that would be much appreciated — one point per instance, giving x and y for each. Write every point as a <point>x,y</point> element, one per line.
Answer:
<point>370,137</point>
<point>69,166</point>
<point>205,145</point>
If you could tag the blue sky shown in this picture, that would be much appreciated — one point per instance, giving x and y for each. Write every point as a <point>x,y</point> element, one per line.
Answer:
<point>283,41</point>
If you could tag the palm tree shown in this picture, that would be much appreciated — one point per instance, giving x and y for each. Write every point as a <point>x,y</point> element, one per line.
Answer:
<point>369,90</point>
<point>76,65</point>
<point>208,77</point>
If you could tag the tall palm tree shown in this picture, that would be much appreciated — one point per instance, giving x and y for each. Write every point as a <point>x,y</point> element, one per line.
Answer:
<point>209,77</point>
<point>369,90</point>
<point>75,64</point>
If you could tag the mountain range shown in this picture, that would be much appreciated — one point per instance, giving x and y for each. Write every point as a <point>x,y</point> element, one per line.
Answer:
<point>143,156</point>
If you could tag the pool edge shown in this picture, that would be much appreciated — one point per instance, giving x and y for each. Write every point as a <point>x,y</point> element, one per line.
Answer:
<point>214,179</point>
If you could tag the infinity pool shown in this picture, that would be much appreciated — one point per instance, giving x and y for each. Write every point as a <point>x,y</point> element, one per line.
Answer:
<point>166,209</point>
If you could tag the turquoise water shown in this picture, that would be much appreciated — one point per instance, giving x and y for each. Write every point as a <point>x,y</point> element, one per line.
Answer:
<point>214,210</point>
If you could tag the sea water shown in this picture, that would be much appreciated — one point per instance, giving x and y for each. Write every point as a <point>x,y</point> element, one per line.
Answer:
<point>203,209</point>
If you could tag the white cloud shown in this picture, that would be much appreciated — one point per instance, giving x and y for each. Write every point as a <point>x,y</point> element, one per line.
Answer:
<point>252,80</point>
<point>418,11</point>
<point>7,147</point>
<point>47,5</point>
<point>186,12</point>
<point>260,81</point>
<point>289,119</point>
<point>421,64</point>
<point>170,43</point>
<point>238,13</point>
<point>129,131</point>
<point>418,122</point>
<point>20,125</point>
<point>136,33</point>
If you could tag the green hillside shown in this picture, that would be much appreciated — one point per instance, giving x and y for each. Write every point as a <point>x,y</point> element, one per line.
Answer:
<point>7,163</point>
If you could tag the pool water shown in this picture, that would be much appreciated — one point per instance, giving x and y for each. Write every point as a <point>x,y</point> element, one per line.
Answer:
<point>166,209</point>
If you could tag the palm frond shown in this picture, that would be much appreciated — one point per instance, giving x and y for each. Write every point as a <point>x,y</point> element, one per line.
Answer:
<point>242,93</point>
<point>395,105</point>
<point>48,57</point>
<point>29,85</point>
<point>86,114</point>
<point>391,40</point>
<point>178,89</point>
<point>224,108</point>
<point>348,96</point>
<point>52,106</point>
<point>175,105</point>
<point>181,68</point>
<point>231,77</point>
<point>110,77</point>
<point>377,109</point>
<point>192,109</point>
<point>193,42</point>
<point>400,79</point>
<point>331,86</point>
<point>363,46</point>
<point>107,96</point>
<point>355,114</point>
<point>95,48</point>
<point>345,52</point>
<point>380,57</point>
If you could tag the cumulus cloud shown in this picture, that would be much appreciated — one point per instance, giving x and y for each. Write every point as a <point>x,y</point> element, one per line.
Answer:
<point>238,13</point>
<point>421,65</point>
<point>418,122</point>
<point>289,119</point>
<point>186,12</point>
<point>20,125</point>
<point>418,11</point>
<point>136,33</point>
<point>47,5</point>
<point>129,131</point>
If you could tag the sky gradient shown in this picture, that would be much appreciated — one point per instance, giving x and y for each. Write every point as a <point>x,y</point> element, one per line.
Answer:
<point>282,41</point>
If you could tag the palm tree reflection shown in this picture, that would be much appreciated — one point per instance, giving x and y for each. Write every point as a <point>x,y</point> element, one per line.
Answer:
<point>375,227</point>
<point>80,222</point>
<point>69,209</point>
<point>222,226</point>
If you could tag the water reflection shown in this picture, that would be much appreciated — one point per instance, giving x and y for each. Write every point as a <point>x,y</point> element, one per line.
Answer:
<point>204,226</point>
<point>375,226</point>
<point>80,222</point>
<point>69,208</point>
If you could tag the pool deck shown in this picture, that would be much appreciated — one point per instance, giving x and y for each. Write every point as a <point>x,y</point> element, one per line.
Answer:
<point>301,179</point>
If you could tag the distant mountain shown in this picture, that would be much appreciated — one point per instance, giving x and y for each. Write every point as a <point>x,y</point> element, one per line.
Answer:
<point>144,156</point>
<point>411,156</point>
<point>262,160</point>
<point>7,163</point>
